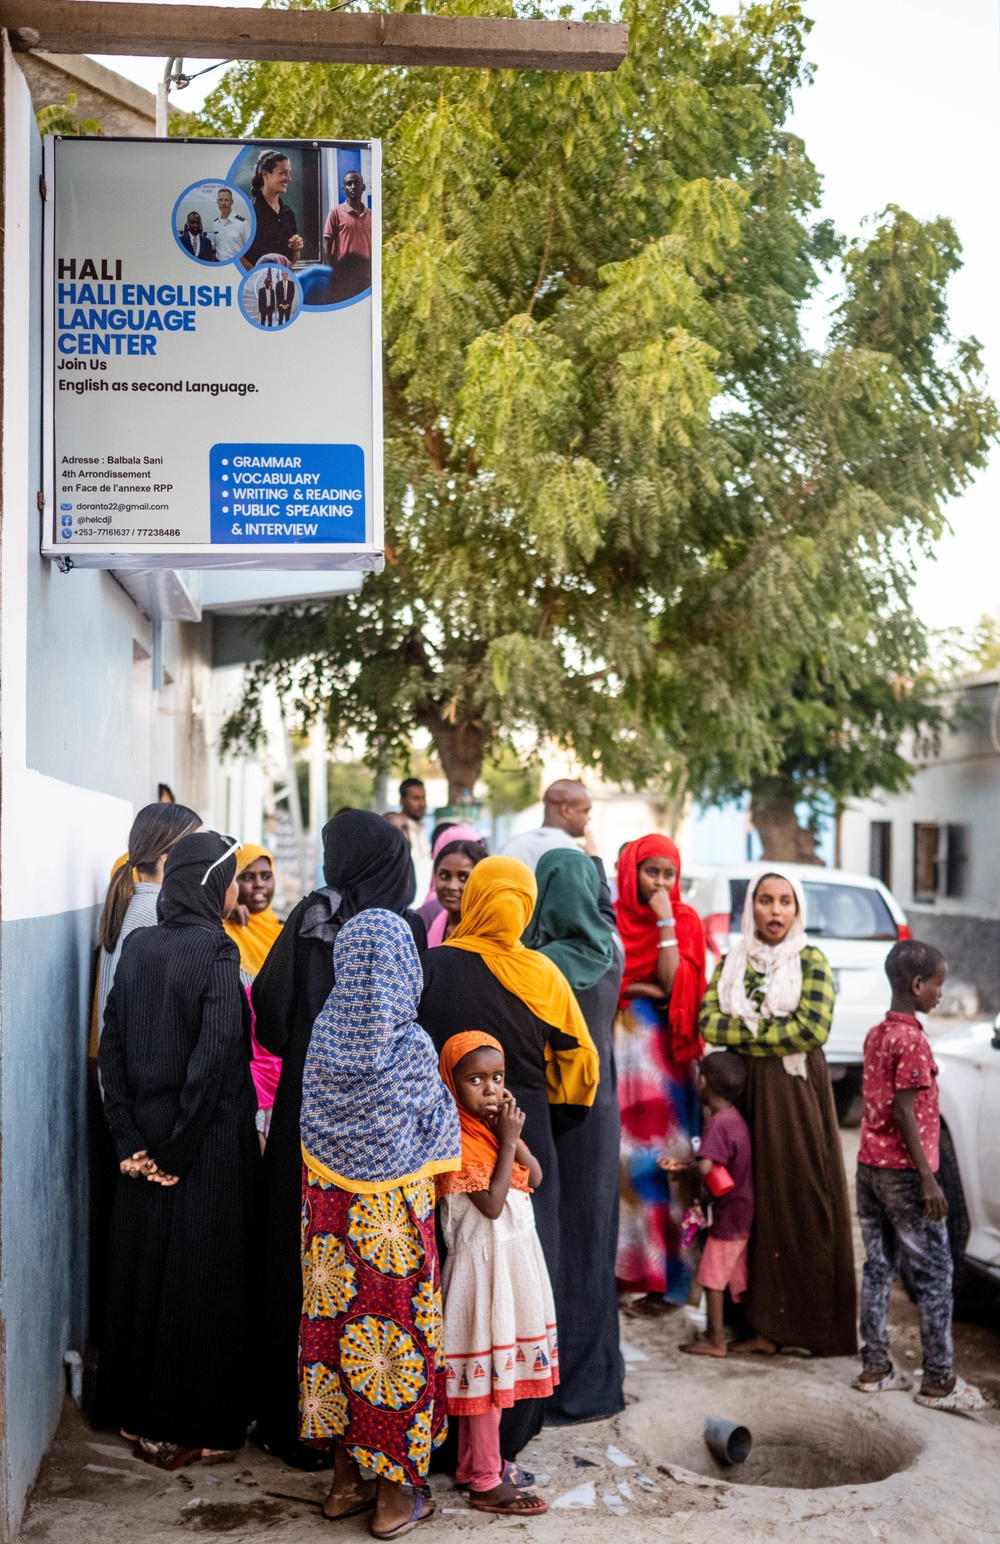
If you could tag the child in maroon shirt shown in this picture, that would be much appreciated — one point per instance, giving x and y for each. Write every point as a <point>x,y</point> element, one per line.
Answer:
<point>725,1141</point>
<point>901,1206</point>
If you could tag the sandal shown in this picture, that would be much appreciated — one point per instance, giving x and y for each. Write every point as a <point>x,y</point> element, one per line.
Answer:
<point>165,1455</point>
<point>218,1455</point>
<point>423,1511</point>
<point>650,1308</point>
<point>515,1503</point>
<point>963,1399</point>
<point>895,1379</point>
<point>513,1474</point>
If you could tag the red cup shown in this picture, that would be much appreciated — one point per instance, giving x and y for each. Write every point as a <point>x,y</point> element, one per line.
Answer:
<point>719,1180</point>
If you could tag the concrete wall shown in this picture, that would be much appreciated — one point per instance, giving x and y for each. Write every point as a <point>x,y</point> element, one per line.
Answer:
<point>84,741</point>
<point>955,783</point>
<point>119,105</point>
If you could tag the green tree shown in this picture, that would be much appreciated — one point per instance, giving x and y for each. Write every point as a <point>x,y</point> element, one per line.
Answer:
<point>627,507</point>
<point>61,118</point>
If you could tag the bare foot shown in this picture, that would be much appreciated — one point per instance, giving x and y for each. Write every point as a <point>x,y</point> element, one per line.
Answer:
<point>702,1346</point>
<point>396,1506</point>
<point>758,1346</point>
<point>349,1493</point>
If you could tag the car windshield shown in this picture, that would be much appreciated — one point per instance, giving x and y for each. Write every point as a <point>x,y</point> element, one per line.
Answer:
<point>832,911</point>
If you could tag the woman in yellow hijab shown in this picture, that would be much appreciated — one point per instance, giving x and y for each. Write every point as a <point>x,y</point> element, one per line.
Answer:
<point>485,979</point>
<point>253,927</point>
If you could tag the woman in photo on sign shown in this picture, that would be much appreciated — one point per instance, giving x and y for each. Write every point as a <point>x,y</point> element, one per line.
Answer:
<point>377,1126</point>
<point>276,230</point>
<point>771,1000</point>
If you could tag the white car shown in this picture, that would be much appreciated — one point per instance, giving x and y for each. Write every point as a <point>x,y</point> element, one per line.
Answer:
<point>968,1060</point>
<point>852,917</point>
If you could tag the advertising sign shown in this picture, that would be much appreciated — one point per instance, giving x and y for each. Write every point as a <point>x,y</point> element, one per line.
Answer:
<point>212,364</point>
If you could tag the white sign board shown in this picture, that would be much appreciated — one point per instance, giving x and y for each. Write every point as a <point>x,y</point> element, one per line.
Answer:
<point>212,364</point>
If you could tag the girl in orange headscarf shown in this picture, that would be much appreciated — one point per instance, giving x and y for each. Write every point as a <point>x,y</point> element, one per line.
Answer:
<point>253,927</point>
<point>656,1049</point>
<point>499,1316</point>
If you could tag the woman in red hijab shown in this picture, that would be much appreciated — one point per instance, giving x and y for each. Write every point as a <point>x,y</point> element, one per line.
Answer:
<point>657,1046</point>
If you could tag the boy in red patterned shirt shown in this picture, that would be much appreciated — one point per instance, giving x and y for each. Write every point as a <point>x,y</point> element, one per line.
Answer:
<point>901,1206</point>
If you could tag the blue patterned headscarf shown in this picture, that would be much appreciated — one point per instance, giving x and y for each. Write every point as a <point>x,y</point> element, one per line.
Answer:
<point>374,1109</point>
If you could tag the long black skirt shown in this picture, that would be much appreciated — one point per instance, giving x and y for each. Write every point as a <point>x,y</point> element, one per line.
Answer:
<point>591,1369</point>
<point>802,1289</point>
<point>176,1355</point>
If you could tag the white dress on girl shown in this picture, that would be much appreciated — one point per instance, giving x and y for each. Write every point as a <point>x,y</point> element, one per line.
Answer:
<point>499,1314</point>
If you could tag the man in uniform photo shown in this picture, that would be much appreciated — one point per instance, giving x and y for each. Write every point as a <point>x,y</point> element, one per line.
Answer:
<point>230,232</point>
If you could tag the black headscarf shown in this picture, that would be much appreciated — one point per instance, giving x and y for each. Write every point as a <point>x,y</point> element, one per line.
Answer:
<point>366,862</point>
<point>183,900</point>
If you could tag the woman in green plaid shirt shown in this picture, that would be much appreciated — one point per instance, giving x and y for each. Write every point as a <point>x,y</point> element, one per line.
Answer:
<point>772,1001</point>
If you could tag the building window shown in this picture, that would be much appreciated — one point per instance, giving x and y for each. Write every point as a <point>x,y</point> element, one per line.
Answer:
<point>956,860</point>
<point>940,861</point>
<point>880,851</point>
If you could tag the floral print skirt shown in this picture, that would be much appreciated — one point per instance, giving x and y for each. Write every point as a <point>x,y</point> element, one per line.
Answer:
<point>371,1369</point>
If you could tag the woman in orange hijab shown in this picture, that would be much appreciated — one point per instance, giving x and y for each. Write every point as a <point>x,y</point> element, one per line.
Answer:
<point>485,979</point>
<point>253,927</point>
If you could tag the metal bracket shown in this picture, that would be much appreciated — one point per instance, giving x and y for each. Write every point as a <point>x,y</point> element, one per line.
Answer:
<point>43,187</point>
<point>64,565</point>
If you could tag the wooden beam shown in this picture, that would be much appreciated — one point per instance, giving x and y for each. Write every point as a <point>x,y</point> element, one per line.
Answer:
<point>327,37</point>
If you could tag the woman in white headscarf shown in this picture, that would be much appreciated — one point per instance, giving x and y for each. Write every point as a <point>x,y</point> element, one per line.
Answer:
<point>772,1000</point>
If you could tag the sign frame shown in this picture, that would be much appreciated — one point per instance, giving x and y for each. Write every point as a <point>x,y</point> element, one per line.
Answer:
<point>366,556</point>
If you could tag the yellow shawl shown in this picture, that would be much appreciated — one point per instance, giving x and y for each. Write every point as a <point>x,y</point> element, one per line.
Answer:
<point>497,903</point>
<point>254,941</point>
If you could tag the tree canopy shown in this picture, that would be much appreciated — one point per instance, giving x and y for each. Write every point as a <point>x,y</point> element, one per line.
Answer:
<point>629,506</point>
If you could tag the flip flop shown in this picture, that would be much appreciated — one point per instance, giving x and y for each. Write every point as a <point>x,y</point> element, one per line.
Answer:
<point>896,1379</point>
<point>417,1516</point>
<point>355,1511</point>
<point>520,1504</point>
<point>165,1455</point>
<point>513,1474</point>
<point>964,1399</point>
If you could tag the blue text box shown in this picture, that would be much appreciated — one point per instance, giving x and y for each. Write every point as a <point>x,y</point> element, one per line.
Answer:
<point>287,494</point>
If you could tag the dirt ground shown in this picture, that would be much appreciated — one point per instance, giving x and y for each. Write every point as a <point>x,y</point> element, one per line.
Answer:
<point>827,1465</point>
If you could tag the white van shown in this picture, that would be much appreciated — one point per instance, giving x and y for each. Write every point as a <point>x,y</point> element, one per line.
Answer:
<point>853,918</point>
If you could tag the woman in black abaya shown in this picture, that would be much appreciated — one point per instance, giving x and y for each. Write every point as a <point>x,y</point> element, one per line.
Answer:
<point>179,1100</point>
<point>567,925</point>
<point>366,863</point>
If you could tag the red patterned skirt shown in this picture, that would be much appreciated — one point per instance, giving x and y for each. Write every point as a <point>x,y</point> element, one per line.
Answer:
<point>371,1369</point>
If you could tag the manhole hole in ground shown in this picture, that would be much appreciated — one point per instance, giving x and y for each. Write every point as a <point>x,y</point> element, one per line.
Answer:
<point>800,1441</point>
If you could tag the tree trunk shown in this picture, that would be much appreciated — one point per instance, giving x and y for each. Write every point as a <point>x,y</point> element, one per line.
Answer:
<point>460,751</point>
<point>772,810</point>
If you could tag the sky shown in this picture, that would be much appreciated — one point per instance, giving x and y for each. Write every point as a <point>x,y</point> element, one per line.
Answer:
<point>904,109</point>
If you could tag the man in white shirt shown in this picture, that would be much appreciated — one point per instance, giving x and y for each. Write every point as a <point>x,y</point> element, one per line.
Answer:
<point>566,824</point>
<point>230,232</point>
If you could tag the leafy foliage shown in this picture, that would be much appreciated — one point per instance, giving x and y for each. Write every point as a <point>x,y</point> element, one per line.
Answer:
<point>627,506</point>
<point>61,118</point>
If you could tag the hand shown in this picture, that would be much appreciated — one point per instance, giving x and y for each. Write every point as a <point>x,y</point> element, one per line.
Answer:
<point>675,1165</point>
<point>651,990</point>
<point>935,1200</point>
<point>509,1121</point>
<point>240,915</point>
<point>295,244</point>
<point>659,902</point>
<point>139,1163</point>
<point>159,1178</point>
<point>589,843</point>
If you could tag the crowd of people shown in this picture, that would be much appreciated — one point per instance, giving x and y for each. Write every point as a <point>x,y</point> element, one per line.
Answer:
<point>381,1167</point>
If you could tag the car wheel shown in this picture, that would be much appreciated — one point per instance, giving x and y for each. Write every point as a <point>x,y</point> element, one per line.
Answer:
<point>849,1100</point>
